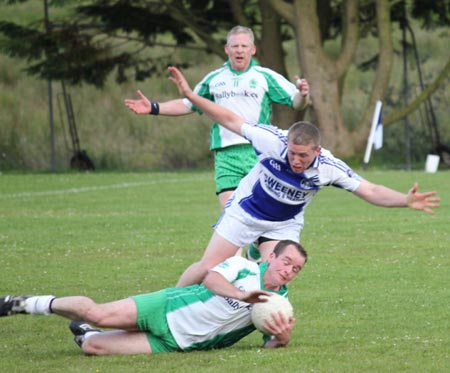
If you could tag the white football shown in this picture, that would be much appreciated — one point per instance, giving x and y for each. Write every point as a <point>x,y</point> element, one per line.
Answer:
<point>263,311</point>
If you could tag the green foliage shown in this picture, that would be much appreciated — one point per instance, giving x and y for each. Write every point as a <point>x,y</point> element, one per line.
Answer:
<point>88,41</point>
<point>84,42</point>
<point>116,139</point>
<point>432,13</point>
<point>112,136</point>
<point>372,298</point>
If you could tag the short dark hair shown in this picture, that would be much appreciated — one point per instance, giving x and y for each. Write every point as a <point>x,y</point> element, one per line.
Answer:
<point>281,246</point>
<point>304,133</point>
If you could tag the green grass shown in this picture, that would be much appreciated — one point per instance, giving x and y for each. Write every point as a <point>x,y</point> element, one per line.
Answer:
<point>374,295</point>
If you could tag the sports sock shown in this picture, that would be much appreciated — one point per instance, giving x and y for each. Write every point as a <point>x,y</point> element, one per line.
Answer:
<point>253,253</point>
<point>90,334</point>
<point>39,305</point>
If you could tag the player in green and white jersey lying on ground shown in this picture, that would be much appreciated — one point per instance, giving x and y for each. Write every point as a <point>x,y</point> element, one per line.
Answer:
<point>215,314</point>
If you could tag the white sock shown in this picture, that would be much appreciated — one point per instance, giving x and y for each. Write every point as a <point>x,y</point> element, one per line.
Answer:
<point>39,305</point>
<point>90,334</point>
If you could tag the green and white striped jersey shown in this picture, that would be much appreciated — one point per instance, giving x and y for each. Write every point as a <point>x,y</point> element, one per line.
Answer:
<point>247,93</point>
<point>199,319</point>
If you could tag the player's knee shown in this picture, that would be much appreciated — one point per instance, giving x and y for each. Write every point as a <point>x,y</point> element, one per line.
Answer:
<point>96,315</point>
<point>204,266</point>
<point>92,346</point>
<point>201,269</point>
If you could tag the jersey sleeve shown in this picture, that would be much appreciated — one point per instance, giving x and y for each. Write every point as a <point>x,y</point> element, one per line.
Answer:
<point>265,138</point>
<point>279,89</point>
<point>202,89</point>
<point>233,267</point>
<point>337,173</point>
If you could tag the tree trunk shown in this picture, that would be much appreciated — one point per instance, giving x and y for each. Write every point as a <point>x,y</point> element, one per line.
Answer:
<point>271,54</point>
<point>323,76</point>
<point>382,74</point>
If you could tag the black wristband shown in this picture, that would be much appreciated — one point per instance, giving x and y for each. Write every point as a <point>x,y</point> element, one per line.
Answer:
<point>155,108</point>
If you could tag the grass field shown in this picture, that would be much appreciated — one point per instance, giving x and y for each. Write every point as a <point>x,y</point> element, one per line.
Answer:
<point>374,296</point>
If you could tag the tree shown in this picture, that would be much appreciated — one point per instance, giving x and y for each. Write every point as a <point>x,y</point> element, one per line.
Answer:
<point>102,37</point>
<point>326,74</point>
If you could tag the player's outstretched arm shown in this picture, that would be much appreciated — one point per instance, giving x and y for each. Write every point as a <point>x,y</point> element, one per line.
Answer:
<point>217,113</point>
<point>144,106</point>
<point>382,196</point>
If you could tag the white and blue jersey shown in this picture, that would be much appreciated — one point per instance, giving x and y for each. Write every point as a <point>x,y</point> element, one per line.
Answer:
<point>271,191</point>
<point>270,201</point>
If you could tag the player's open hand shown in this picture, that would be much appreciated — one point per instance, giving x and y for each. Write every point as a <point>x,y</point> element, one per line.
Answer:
<point>141,106</point>
<point>255,296</point>
<point>180,81</point>
<point>422,201</point>
<point>280,328</point>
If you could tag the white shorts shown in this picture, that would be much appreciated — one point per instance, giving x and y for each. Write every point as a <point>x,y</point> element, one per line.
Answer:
<point>240,228</point>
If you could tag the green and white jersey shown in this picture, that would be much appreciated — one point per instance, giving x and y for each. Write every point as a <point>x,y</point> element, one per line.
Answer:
<point>199,319</point>
<point>247,93</point>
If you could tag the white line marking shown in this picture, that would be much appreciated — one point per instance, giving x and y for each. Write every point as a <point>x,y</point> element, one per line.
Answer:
<point>95,188</point>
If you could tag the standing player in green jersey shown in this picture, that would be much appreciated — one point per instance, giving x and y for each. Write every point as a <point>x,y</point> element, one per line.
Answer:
<point>243,87</point>
<point>215,314</point>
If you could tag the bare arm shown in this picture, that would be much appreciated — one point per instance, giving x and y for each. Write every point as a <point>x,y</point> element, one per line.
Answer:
<point>382,196</point>
<point>225,117</point>
<point>280,328</point>
<point>301,98</point>
<point>144,106</point>
<point>219,285</point>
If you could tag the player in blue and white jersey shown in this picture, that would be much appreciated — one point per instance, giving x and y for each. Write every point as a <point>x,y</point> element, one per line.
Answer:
<point>212,315</point>
<point>271,200</point>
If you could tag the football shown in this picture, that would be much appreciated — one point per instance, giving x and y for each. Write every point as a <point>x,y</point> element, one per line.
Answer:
<point>263,311</point>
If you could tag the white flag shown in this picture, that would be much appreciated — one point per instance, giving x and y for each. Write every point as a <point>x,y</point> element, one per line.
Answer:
<point>378,136</point>
<point>376,133</point>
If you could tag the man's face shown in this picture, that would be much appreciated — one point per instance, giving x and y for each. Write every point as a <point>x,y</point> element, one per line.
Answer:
<point>301,156</point>
<point>283,268</point>
<point>240,51</point>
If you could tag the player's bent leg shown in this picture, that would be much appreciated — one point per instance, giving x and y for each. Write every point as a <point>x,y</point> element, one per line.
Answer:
<point>118,314</point>
<point>81,330</point>
<point>117,342</point>
<point>217,251</point>
<point>224,197</point>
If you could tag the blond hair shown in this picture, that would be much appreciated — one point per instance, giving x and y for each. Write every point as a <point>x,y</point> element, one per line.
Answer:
<point>241,30</point>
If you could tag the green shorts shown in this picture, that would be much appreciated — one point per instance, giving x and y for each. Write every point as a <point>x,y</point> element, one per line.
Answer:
<point>151,319</point>
<point>231,164</point>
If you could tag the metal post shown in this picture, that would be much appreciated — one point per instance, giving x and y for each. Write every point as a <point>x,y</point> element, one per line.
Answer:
<point>405,92</point>
<point>50,103</point>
